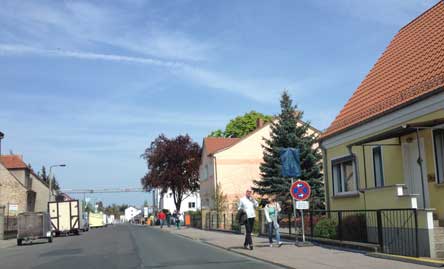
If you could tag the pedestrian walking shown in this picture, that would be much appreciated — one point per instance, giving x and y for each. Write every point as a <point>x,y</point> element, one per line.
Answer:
<point>168,218</point>
<point>152,220</point>
<point>161,216</point>
<point>271,211</point>
<point>176,216</point>
<point>248,205</point>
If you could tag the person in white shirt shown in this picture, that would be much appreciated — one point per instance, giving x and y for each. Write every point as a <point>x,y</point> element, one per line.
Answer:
<point>248,205</point>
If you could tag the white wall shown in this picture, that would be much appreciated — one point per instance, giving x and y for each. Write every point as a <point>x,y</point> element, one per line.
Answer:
<point>167,202</point>
<point>131,212</point>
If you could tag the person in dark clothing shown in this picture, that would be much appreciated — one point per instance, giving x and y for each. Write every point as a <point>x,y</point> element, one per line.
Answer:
<point>168,218</point>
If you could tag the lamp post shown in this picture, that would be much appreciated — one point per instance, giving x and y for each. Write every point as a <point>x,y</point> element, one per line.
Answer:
<point>2,135</point>
<point>50,178</point>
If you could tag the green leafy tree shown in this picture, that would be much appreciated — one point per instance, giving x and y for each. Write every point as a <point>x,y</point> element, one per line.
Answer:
<point>43,174</point>
<point>87,207</point>
<point>286,133</point>
<point>55,184</point>
<point>241,125</point>
<point>217,133</point>
<point>220,200</point>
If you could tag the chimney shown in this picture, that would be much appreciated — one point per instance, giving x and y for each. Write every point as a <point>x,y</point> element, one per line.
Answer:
<point>259,123</point>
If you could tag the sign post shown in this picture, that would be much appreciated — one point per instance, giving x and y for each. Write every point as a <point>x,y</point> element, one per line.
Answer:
<point>300,191</point>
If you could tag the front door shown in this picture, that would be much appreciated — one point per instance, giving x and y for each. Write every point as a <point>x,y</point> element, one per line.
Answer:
<point>412,170</point>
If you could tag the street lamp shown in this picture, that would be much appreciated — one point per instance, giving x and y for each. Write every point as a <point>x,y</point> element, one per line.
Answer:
<point>50,179</point>
<point>2,135</point>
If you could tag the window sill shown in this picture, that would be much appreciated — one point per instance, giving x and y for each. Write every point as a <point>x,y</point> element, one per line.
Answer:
<point>439,185</point>
<point>346,194</point>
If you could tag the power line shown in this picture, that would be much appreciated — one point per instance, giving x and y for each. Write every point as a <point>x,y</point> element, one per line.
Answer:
<point>104,190</point>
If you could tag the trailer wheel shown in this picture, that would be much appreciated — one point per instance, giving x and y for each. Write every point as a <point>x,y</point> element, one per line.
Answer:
<point>49,239</point>
<point>19,242</point>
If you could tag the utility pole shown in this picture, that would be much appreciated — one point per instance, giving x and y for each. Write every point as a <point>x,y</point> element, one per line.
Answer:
<point>2,135</point>
<point>50,178</point>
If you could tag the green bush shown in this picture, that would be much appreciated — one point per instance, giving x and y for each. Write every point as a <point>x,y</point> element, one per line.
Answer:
<point>354,228</point>
<point>326,228</point>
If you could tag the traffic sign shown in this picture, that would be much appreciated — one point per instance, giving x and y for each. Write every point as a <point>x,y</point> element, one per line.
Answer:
<point>302,205</point>
<point>300,190</point>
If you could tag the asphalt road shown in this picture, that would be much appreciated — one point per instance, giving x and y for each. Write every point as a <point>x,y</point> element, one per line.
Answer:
<point>123,246</point>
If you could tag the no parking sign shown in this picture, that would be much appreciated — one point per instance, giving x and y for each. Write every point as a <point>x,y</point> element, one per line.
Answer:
<point>300,190</point>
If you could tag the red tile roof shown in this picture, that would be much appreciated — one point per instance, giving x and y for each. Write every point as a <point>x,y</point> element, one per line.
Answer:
<point>412,66</point>
<point>213,144</point>
<point>12,162</point>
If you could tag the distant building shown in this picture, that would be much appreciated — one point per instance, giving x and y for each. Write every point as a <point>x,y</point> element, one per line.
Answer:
<point>131,212</point>
<point>191,201</point>
<point>20,187</point>
<point>15,195</point>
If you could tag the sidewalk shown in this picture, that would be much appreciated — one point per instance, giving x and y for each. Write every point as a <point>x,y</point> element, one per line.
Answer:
<point>290,256</point>
<point>8,243</point>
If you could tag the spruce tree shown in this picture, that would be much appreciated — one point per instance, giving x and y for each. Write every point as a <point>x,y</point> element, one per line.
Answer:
<point>285,133</point>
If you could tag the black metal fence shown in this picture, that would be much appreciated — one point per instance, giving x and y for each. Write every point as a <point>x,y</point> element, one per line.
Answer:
<point>395,231</point>
<point>222,221</point>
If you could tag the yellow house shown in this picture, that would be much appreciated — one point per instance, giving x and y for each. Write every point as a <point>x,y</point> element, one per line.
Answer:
<point>385,149</point>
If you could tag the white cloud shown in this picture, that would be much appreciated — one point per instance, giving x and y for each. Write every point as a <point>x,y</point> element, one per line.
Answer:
<point>81,25</point>
<point>8,49</point>
<point>258,90</point>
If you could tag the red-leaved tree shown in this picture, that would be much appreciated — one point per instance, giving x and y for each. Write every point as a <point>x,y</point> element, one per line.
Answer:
<point>173,164</point>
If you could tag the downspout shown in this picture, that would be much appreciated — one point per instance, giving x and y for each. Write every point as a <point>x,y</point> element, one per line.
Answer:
<point>325,166</point>
<point>215,190</point>
<point>420,161</point>
<point>365,177</point>
<point>355,170</point>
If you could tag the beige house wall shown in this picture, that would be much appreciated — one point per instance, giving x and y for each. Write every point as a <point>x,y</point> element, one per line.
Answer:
<point>23,175</point>
<point>42,194</point>
<point>235,168</point>
<point>206,179</point>
<point>11,191</point>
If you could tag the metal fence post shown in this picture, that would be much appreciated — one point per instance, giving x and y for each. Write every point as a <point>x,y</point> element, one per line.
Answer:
<point>311,223</point>
<point>340,225</point>
<point>289,224</point>
<point>232,221</point>
<point>415,212</point>
<point>380,230</point>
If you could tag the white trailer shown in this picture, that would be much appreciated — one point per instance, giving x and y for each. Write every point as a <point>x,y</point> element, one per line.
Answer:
<point>65,217</point>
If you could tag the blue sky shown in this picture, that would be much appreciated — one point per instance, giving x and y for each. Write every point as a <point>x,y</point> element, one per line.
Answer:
<point>91,85</point>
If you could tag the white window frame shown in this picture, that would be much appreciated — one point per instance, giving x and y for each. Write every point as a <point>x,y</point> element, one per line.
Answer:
<point>334,162</point>
<point>437,179</point>
<point>382,166</point>
<point>190,203</point>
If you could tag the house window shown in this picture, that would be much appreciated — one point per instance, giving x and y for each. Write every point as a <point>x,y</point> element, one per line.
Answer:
<point>205,173</point>
<point>343,175</point>
<point>191,205</point>
<point>438,138</point>
<point>378,167</point>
